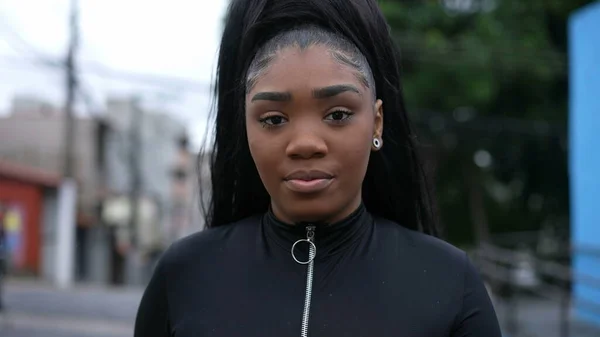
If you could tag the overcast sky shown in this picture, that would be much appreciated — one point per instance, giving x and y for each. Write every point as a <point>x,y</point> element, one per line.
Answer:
<point>174,38</point>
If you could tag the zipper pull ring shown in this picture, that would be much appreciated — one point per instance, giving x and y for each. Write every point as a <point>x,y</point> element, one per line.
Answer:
<point>312,252</point>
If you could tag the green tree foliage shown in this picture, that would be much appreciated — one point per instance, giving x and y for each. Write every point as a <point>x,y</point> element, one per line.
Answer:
<point>490,77</point>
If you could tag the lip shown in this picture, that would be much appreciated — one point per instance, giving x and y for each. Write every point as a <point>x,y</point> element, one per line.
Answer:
<point>312,181</point>
<point>308,186</point>
<point>308,175</point>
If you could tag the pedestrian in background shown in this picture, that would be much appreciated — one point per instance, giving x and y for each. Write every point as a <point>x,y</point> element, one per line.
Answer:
<point>3,254</point>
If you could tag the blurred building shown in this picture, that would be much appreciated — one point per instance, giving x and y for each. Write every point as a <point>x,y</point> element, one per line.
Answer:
<point>185,215</point>
<point>122,155</point>
<point>146,152</point>
<point>31,137</point>
<point>29,196</point>
<point>584,114</point>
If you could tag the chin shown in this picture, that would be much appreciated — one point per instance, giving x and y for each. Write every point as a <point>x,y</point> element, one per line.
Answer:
<point>312,210</point>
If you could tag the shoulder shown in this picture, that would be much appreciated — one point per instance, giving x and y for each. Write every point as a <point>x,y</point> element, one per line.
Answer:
<point>425,248</point>
<point>449,277</point>
<point>427,259</point>
<point>206,245</point>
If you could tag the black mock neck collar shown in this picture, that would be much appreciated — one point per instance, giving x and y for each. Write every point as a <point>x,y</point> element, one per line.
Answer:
<point>329,238</point>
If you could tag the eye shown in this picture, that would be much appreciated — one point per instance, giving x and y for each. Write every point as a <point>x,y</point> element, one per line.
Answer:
<point>272,121</point>
<point>339,116</point>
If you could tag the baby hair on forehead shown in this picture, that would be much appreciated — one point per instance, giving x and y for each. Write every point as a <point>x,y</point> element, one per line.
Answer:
<point>341,50</point>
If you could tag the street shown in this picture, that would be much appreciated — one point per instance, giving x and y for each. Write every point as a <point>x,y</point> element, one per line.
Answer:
<point>34,309</point>
<point>40,310</point>
<point>536,317</point>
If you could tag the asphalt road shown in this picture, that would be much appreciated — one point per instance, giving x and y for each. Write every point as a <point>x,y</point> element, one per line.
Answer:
<point>34,309</point>
<point>38,310</point>
<point>538,317</point>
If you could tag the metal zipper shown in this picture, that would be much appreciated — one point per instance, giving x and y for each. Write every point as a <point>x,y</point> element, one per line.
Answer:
<point>312,252</point>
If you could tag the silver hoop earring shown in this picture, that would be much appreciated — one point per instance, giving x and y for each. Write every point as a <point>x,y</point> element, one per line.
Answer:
<point>376,143</point>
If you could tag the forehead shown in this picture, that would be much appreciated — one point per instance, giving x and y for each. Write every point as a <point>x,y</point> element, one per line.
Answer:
<point>293,68</point>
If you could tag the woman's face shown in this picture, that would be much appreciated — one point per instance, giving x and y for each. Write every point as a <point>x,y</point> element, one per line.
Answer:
<point>311,122</point>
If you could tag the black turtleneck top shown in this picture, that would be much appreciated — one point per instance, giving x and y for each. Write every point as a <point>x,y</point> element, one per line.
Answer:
<point>372,278</point>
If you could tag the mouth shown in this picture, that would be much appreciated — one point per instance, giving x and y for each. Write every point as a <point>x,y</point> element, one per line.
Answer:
<point>308,175</point>
<point>308,181</point>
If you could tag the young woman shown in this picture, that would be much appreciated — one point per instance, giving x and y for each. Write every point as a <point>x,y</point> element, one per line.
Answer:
<point>321,224</point>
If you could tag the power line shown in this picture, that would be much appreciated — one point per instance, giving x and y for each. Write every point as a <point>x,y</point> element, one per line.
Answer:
<point>98,69</point>
<point>103,71</point>
<point>21,46</point>
<point>13,63</point>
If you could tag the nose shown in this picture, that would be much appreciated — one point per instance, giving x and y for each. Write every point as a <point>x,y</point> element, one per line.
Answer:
<point>306,143</point>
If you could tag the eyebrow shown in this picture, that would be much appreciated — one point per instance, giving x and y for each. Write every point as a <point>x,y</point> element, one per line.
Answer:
<point>327,92</point>
<point>272,96</point>
<point>319,93</point>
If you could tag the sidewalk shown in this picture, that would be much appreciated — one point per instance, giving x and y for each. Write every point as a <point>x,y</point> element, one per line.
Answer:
<point>38,309</point>
<point>537,317</point>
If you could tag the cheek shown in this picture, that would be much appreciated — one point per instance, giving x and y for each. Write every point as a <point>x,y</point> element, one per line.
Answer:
<point>357,150</point>
<point>263,150</point>
<point>354,150</point>
<point>358,139</point>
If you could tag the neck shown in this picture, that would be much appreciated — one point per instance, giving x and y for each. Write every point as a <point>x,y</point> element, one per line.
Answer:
<point>330,236</point>
<point>315,219</point>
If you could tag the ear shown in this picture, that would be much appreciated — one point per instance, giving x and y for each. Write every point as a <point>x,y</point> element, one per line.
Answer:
<point>378,125</point>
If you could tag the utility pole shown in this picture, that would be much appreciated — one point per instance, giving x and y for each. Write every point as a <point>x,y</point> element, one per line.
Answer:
<point>71,88</point>
<point>67,196</point>
<point>132,257</point>
<point>135,154</point>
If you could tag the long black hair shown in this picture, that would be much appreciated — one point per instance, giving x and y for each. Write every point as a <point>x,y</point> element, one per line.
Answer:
<point>395,186</point>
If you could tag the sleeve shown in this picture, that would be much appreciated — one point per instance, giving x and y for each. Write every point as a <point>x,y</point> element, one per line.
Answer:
<point>152,318</point>
<point>477,317</point>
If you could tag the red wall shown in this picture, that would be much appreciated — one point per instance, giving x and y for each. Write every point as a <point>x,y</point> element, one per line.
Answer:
<point>29,197</point>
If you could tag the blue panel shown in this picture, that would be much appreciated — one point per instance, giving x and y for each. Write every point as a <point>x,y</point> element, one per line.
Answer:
<point>584,133</point>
